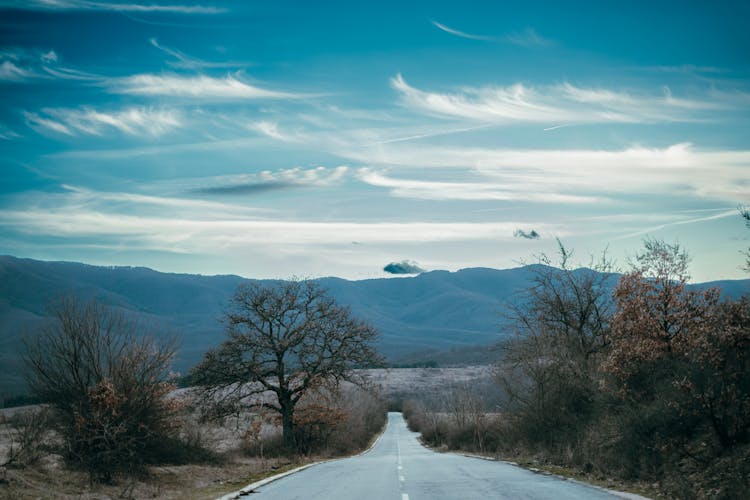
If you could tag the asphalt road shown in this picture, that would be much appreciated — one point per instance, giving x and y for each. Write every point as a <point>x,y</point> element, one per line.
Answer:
<point>400,468</point>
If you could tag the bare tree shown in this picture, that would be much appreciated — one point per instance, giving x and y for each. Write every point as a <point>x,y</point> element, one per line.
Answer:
<point>285,339</point>
<point>561,331</point>
<point>107,385</point>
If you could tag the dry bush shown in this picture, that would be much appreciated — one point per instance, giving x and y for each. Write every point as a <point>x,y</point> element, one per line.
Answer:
<point>365,411</point>
<point>263,437</point>
<point>27,433</point>
<point>329,422</point>
<point>107,386</point>
<point>315,419</point>
<point>457,419</point>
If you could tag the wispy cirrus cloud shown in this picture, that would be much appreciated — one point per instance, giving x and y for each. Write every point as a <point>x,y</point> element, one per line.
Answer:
<point>186,225</point>
<point>471,191</point>
<point>97,201</point>
<point>679,222</point>
<point>564,176</point>
<point>7,134</point>
<point>270,129</point>
<point>268,180</point>
<point>18,65</point>
<point>111,6</point>
<point>192,87</point>
<point>461,34</point>
<point>88,121</point>
<point>528,38</point>
<point>10,71</point>
<point>185,61</point>
<point>28,65</point>
<point>41,124</point>
<point>553,104</point>
<point>203,234</point>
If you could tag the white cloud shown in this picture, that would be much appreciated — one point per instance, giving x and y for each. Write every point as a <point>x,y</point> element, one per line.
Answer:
<point>49,57</point>
<point>88,121</point>
<point>553,104</point>
<point>269,129</point>
<point>202,234</point>
<point>39,124</point>
<point>11,72</point>
<point>317,175</point>
<point>251,183</point>
<point>677,170</point>
<point>188,62</point>
<point>461,34</point>
<point>196,87</point>
<point>117,7</point>
<point>19,64</point>
<point>78,196</point>
<point>148,222</point>
<point>470,191</point>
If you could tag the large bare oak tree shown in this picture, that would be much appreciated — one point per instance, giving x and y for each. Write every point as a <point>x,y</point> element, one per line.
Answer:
<point>284,339</point>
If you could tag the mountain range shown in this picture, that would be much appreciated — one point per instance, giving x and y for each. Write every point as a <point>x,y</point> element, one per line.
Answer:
<point>419,317</point>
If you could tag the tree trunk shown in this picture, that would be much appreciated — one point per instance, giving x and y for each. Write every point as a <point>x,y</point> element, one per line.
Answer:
<point>287,421</point>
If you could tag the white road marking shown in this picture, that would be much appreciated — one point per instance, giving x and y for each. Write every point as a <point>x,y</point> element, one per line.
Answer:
<point>401,478</point>
<point>404,496</point>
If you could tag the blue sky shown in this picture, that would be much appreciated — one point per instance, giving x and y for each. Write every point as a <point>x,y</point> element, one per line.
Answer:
<point>278,139</point>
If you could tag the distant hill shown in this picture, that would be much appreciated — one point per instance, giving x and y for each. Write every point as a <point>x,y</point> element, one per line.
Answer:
<point>438,314</point>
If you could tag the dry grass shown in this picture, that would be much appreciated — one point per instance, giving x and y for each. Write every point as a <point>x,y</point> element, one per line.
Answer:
<point>51,480</point>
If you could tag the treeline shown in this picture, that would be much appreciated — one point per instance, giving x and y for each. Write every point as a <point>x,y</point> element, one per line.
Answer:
<point>650,385</point>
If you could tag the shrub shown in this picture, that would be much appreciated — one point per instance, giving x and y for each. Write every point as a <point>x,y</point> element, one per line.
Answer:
<point>27,432</point>
<point>107,386</point>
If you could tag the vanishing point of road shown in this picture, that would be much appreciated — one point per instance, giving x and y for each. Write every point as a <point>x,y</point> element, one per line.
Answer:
<point>398,467</point>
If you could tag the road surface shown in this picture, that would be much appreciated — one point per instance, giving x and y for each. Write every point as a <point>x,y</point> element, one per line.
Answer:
<point>399,468</point>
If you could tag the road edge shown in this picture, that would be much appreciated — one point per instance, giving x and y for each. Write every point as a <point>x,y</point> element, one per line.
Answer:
<point>257,484</point>
<point>620,494</point>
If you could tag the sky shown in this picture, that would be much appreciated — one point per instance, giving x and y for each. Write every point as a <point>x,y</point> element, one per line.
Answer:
<point>306,139</point>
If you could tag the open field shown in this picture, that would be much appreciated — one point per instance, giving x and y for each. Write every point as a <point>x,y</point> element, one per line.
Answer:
<point>233,467</point>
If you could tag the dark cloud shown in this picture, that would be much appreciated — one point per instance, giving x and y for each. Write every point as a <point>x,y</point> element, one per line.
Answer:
<point>531,235</point>
<point>251,188</point>
<point>404,267</point>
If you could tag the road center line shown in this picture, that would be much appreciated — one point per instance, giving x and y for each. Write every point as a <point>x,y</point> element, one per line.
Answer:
<point>404,496</point>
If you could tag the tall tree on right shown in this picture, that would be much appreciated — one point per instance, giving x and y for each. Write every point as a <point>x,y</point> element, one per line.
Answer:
<point>680,364</point>
<point>656,315</point>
